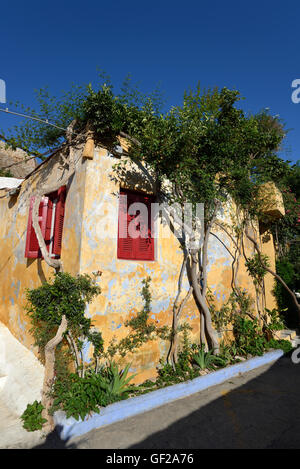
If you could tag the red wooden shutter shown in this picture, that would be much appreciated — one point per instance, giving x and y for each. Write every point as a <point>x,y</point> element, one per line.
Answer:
<point>125,242</point>
<point>140,248</point>
<point>48,223</point>
<point>144,245</point>
<point>32,250</point>
<point>59,221</point>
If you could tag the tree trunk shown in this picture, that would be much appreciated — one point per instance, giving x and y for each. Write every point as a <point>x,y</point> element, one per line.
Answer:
<point>202,302</point>
<point>174,341</point>
<point>49,372</point>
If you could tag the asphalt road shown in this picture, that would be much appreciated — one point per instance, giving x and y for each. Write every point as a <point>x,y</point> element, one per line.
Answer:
<point>259,409</point>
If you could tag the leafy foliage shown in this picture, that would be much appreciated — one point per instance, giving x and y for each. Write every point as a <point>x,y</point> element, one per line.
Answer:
<point>249,338</point>
<point>284,345</point>
<point>115,381</point>
<point>64,295</point>
<point>206,360</point>
<point>32,417</point>
<point>255,268</point>
<point>142,329</point>
<point>252,339</point>
<point>288,267</point>
<point>239,303</point>
<point>79,396</point>
<point>274,321</point>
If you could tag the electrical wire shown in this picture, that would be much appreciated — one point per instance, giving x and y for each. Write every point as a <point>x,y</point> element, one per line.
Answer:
<point>34,118</point>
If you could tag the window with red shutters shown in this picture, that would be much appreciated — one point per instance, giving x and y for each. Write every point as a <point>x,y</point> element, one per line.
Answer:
<point>51,217</point>
<point>141,246</point>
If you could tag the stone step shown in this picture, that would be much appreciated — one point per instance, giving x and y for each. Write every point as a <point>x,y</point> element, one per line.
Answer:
<point>287,334</point>
<point>296,342</point>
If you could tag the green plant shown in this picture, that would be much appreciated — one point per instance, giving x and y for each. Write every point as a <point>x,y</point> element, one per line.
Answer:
<point>64,295</point>
<point>182,369</point>
<point>284,345</point>
<point>288,267</point>
<point>142,329</point>
<point>255,268</point>
<point>79,397</point>
<point>32,417</point>
<point>203,359</point>
<point>228,353</point>
<point>114,381</point>
<point>273,320</point>
<point>249,338</point>
<point>239,303</point>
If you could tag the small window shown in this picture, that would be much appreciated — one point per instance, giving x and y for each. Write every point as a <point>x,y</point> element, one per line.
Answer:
<point>51,219</point>
<point>135,237</point>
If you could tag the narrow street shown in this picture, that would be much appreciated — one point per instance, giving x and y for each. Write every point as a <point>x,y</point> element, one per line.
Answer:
<point>259,409</point>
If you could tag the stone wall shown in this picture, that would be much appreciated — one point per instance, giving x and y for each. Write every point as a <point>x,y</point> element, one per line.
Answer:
<point>16,162</point>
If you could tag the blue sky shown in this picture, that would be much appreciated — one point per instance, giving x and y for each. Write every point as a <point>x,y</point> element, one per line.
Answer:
<point>251,46</point>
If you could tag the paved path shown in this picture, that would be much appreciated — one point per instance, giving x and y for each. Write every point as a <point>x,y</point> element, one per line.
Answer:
<point>259,409</point>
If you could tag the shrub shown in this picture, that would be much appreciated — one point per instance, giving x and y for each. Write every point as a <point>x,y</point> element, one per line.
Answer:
<point>32,417</point>
<point>249,339</point>
<point>64,295</point>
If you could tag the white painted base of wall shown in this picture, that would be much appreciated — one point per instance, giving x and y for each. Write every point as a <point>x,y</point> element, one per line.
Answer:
<point>21,373</point>
<point>68,428</point>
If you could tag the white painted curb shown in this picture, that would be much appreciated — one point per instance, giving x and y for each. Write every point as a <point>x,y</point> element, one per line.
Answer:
<point>69,428</point>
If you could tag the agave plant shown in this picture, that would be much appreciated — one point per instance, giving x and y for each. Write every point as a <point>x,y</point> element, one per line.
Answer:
<point>115,381</point>
<point>206,360</point>
<point>203,359</point>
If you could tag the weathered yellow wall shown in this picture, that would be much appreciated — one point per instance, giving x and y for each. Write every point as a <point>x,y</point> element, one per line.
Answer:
<point>91,204</point>
<point>121,281</point>
<point>18,273</point>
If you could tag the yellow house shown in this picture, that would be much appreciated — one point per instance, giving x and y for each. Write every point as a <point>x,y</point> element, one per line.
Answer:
<point>90,242</point>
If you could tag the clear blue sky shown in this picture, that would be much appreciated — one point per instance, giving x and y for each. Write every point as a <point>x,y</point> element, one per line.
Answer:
<point>251,46</point>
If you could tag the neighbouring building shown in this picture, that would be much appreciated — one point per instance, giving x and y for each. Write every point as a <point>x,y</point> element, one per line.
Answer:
<point>17,162</point>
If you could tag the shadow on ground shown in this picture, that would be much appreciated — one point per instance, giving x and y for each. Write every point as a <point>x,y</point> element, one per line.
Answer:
<point>263,413</point>
<point>53,441</point>
<point>255,410</point>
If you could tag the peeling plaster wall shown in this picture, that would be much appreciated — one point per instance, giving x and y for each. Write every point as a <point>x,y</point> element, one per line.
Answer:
<point>18,273</point>
<point>121,282</point>
<point>91,206</point>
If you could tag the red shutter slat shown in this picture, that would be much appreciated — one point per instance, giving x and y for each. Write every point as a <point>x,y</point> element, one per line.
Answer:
<point>59,221</point>
<point>32,250</point>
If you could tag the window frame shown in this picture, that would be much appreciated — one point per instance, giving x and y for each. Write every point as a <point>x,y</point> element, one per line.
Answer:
<point>136,254</point>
